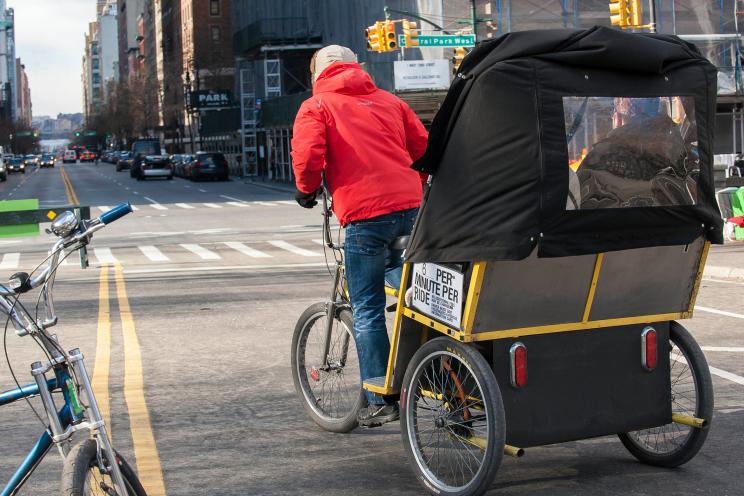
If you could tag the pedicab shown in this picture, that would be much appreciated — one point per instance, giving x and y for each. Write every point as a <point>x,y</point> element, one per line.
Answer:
<point>563,236</point>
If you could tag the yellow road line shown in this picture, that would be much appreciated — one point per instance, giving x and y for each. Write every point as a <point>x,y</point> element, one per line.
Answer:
<point>103,350</point>
<point>71,196</point>
<point>145,451</point>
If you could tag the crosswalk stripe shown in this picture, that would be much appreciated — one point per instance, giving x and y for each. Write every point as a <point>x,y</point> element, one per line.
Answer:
<point>155,204</point>
<point>153,253</point>
<point>286,202</point>
<point>104,208</point>
<point>231,198</point>
<point>294,249</point>
<point>201,252</point>
<point>212,205</point>
<point>246,250</point>
<point>319,242</point>
<point>238,204</point>
<point>265,204</point>
<point>104,255</point>
<point>10,261</point>
<point>183,205</point>
<point>135,208</point>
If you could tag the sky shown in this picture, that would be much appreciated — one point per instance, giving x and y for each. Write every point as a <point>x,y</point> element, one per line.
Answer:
<point>50,39</point>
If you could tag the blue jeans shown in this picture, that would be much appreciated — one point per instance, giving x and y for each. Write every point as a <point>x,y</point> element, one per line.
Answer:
<point>369,264</point>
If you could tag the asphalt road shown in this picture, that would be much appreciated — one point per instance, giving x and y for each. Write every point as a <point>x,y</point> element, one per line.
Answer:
<point>216,275</point>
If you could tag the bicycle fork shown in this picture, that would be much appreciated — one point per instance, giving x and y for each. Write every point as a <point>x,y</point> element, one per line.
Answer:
<point>336,300</point>
<point>94,424</point>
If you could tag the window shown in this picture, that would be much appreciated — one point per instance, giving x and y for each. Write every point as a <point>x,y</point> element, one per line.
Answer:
<point>216,33</point>
<point>631,152</point>
<point>214,7</point>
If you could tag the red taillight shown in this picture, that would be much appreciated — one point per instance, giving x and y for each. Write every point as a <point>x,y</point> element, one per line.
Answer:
<point>649,346</point>
<point>518,365</point>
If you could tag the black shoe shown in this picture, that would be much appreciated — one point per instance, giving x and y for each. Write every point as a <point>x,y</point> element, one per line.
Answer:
<point>376,415</point>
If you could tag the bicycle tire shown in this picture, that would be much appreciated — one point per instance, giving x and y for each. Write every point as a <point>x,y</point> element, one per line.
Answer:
<point>82,463</point>
<point>685,442</point>
<point>451,405</point>
<point>345,418</point>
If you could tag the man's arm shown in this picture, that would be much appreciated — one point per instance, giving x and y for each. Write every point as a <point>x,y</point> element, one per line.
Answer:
<point>309,146</point>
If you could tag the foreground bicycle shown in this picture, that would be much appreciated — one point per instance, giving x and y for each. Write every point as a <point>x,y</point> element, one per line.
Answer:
<point>325,365</point>
<point>91,466</point>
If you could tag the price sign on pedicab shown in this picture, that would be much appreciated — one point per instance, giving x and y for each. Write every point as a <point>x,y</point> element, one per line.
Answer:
<point>437,292</point>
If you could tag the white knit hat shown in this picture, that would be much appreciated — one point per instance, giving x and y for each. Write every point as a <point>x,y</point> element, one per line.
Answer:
<point>330,54</point>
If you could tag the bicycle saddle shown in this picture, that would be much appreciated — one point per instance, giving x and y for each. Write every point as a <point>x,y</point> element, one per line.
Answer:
<point>400,243</point>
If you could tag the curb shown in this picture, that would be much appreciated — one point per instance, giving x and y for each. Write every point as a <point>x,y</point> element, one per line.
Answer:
<point>274,187</point>
<point>722,272</point>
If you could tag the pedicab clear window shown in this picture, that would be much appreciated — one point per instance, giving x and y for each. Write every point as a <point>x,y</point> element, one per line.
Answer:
<point>631,152</point>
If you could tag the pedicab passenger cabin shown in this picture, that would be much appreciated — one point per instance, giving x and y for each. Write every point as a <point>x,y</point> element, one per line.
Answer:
<point>571,207</point>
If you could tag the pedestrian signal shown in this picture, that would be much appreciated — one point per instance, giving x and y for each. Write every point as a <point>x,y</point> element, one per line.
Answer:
<point>457,56</point>
<point>391,39</point>
<point>410,34</point>
<point>374,35</point>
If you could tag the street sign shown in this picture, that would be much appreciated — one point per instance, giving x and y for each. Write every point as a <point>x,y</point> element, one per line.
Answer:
<point>441,40</point>
<point>210,99</point>
<point>89,133</point>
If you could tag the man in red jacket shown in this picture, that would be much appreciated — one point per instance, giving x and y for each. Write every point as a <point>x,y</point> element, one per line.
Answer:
<point>365,140</point>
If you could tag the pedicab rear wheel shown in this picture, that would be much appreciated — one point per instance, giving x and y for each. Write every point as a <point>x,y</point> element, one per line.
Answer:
<point>674,444</point>
<point>452,418</point>
<point>332,395</point>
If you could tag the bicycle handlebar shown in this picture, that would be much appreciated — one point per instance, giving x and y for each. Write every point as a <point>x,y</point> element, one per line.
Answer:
<point>116,213</point>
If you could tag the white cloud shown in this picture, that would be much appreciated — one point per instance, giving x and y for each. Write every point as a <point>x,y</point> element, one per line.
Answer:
<point>50,39</point>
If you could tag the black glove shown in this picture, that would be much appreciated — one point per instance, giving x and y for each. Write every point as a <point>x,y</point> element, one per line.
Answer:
<point>306,200</point>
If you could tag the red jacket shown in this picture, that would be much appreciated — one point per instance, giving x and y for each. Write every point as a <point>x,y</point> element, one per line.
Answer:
<point>364,138</point>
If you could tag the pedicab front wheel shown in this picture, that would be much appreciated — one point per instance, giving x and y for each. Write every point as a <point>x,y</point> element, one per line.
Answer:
<point>673,444</point>
<point>452,418</point>
<point>330,387</point>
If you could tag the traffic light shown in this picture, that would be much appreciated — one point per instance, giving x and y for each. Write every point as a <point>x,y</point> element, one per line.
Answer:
<point>410,34</point>
<point>391,39</point>
<point>619,13</point>
<point>77,134</point>
<point>374,36</point>
<point>634,9</point>
<point>457,56</point>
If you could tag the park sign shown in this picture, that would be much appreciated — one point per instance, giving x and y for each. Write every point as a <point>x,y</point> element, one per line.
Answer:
<point>441,40</point>
<point>210,99</point>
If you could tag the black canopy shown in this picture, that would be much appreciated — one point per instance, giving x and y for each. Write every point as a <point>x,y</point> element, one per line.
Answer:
<point>499,149</point>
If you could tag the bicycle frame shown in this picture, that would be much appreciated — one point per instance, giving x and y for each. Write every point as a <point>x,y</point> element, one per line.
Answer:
<point>45,441</point>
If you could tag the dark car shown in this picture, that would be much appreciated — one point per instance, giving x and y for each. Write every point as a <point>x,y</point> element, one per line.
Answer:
<point>16,164</point>
<point>124,162</point>
<point>47,160</point>
<point>208,165</point>
<point>30,160</point>
<point>141,149</point>
<point>153,166</point>
<point>179,164</point>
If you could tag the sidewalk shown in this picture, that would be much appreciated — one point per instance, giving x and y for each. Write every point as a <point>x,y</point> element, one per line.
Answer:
<point>726,261</point>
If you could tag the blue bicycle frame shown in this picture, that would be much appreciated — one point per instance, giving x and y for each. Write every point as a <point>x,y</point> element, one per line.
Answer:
<point>44,443</point>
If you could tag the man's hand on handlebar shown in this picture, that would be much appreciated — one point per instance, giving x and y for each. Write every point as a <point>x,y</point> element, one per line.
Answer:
<point>306,200</point>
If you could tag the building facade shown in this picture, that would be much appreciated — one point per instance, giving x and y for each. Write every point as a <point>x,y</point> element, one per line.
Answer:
<point>91,74</point>
<point>8,100</point>
<point>23,97</point>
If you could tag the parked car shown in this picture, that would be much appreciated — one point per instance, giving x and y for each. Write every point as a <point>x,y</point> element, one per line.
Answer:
<point>16,164</point>
<point>47,160</point>
<point>179,164</point>
<point>69,157</point>
<point>124,162</point>
<point>208,165</point>
<point>3,170</point>
<point>144,147</point>
<point>153,166</point>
